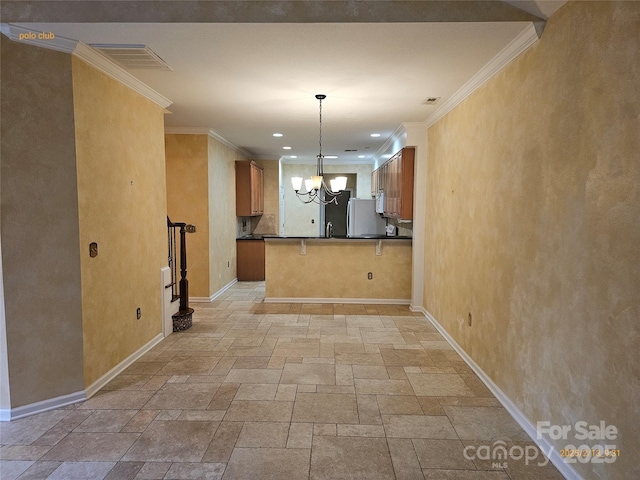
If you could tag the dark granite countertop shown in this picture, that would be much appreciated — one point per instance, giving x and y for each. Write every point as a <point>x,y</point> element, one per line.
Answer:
<point>338,237</point>
<point>255,237</point>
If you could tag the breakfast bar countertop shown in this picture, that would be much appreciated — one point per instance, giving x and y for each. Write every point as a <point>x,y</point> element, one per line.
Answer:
<point>336,237</point>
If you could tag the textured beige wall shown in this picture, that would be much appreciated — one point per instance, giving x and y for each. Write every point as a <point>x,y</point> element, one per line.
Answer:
<point>39,225</point>
<point>297,215</point>
<point>533,226</point>
<point>363,175</point>
<point>222,215</point>
<point>187,163</point>
<point>122,198</point>
<point>5,387</point>
<point>338,269</point>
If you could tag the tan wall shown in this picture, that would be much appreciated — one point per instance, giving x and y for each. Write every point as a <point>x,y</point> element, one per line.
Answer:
<point>533,226</point>
<point>298,217</point>
<point>39,221</point>
<point>201,190</point>
<point>122,198</point>
<point>222,215</point>
<point>363,173</point>
<point>187,165</point>
<point>338,269</point>
<point>5,395</point>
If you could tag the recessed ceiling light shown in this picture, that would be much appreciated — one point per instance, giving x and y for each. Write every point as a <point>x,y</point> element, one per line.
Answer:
<point>375,135</point>
<point>330,156</point>
<point>360,156</point>
<point>286,148</point>
<point>278,135</point>
<point>293,156</point>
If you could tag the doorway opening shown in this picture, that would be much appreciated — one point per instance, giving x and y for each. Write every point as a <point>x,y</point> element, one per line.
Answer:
<point>336,215</point>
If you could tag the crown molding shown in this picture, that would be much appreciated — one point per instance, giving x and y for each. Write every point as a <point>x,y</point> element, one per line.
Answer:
<point>522,42</point>
<point>398,136</point>
<point>86,54</point>
<point>245,153</point>
<point>395,142</point>
<point>186,130</point>
<point>265,157</point>
<point>113,70</point>
<point>215,135</point>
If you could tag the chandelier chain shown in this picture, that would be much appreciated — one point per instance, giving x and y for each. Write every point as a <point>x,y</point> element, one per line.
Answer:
<point>317,190</point>
<point>320,165</point>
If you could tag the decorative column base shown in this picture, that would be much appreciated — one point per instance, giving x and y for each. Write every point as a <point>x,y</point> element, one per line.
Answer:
<point>182,320</point>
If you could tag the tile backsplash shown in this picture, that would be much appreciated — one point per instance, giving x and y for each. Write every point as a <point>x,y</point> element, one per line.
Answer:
<point>262,225</point>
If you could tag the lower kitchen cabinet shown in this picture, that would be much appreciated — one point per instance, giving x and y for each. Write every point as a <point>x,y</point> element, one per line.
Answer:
<point>250,260</point>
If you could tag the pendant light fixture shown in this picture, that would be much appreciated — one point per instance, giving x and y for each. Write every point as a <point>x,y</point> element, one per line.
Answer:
<point>316,188</point>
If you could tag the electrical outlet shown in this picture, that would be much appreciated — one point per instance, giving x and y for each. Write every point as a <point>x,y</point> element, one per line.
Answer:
<point>138,313</point>
<point>469,321</point>
<point>370,275</point>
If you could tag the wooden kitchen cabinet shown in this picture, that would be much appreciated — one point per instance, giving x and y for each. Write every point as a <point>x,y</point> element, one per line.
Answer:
<point>249,189</point>
<point>395,179</point>
<point>250,260</point>
<point>375,178</point>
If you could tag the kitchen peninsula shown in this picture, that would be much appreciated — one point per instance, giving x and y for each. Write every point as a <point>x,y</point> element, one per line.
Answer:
<point>367,269</point>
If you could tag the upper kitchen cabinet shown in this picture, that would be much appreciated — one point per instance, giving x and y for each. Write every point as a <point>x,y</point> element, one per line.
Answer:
<point>249,189</point>
<point>375,179</point>
<point>394,179</point>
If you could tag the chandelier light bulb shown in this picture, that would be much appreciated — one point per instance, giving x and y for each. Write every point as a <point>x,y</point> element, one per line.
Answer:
<point>308,183</point>
<point>296,182</point>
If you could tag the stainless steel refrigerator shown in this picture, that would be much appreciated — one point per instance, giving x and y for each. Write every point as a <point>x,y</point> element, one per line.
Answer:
<point>362,218</point>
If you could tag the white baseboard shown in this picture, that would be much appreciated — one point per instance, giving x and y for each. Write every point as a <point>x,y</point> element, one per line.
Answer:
<point>215,295</point>
<point>92,389</point>
<point>199,299</point>
<point>64,400</point>
<point>7,415</point>
<point>564,468</point>
<point>368,301</point>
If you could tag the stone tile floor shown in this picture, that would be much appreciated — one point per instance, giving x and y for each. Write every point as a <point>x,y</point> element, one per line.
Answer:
<point>281,391</point>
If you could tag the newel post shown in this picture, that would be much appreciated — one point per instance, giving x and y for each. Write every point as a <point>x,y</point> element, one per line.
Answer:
<point>183,319</point>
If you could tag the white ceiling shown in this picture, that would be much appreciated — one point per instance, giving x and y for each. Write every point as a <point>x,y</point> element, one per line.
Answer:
<point>247,81</point>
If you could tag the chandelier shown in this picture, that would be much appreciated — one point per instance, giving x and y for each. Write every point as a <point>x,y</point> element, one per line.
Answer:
<point>316,188</point>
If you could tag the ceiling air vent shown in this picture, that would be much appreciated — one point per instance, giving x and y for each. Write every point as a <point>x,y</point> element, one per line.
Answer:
<point>132,57</point>
<point>431,101</point>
